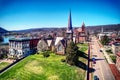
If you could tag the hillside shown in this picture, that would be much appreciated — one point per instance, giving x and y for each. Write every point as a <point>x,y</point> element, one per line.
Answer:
<point>111,27</point>
<point>3,30</point>
<point>36,67</point>
<point>106,28</point>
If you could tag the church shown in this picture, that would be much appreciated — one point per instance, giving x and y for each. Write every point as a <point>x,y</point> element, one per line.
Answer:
<point>81,34</point>
<point>59,44</point>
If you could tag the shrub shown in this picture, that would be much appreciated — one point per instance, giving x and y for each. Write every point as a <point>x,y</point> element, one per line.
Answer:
<point>109,51</point>
<point>46,54</point>
<point>113,58</point>
<point>63,60</point>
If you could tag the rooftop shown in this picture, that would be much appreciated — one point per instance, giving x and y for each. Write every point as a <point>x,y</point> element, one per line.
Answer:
<point>118,54</point>
<point>19,39</point>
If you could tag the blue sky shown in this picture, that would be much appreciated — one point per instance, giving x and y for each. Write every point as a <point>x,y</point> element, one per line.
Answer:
<point>25,14</point>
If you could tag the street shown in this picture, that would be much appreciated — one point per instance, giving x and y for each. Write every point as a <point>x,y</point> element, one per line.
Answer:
<point>102,69</point>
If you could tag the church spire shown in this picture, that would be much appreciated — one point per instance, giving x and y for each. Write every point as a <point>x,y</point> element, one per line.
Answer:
<point>83,26</point>
<point>69,32</point>
<point>69,22</point>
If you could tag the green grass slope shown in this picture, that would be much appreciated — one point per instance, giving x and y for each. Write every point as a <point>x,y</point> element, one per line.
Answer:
<point>37,67</point>
<point>3,65</point>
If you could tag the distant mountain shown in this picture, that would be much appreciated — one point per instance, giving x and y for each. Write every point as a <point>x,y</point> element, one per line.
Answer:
<point>106,28</point>
<point>97,28</point>
<point>3,30</point>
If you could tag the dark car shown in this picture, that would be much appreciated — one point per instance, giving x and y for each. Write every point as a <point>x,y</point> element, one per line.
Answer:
<point>94,60</point>
<point>100,50</point>
<point>95,77</point>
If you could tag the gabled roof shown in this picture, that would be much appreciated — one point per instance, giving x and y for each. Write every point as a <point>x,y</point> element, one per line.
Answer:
<point>63,42</point>
<point>49,42</point>
<point>58,39</point>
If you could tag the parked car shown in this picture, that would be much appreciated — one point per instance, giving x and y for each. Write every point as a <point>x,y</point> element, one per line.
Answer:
<point>95,77</point>
<point>94,60</point>
<point>100,50</point>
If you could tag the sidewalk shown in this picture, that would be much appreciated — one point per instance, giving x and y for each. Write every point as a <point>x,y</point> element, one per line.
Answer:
<point>112,65</point>
<point>115,71</point>
<point>107,56</point>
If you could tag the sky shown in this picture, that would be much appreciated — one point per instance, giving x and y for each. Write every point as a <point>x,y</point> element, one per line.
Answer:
<point>26,14</point>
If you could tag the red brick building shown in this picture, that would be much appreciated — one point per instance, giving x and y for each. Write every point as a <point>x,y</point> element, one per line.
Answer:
<point>33,44</point>
<point>118,61</point>
<point>81,35</point>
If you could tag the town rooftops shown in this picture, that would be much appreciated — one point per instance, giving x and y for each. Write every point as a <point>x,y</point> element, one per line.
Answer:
<point>58,39</point>
<point>116,44</point>
<point>118,54</point>
<point>20,39</point>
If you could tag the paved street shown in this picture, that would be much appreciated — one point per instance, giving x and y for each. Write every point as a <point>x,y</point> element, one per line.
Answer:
<point>102,69</point>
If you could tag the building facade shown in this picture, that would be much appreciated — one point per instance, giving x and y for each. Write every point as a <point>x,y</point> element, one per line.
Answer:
<point>81,34</point>
<point>118,61</point>
<point>116,47</point>
<point>19,47</point>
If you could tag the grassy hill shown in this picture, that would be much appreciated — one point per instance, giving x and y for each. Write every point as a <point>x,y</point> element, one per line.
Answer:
<point>36,67</point>
<point>3,65</point>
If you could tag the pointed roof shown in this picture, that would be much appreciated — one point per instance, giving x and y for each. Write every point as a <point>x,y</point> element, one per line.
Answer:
<point>83,24</point>
<point>69,28</point>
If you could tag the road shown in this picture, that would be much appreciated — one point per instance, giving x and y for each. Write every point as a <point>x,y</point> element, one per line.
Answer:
<point>102,69</point>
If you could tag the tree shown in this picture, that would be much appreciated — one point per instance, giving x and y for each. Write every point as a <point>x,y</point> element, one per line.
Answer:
<point>46,53</point>
<point>105,40</point>
<point>71,53</point>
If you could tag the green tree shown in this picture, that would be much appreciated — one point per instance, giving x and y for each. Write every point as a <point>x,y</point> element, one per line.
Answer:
<point>71,53</point>
<point>46,53</point>
<point>105,40</point>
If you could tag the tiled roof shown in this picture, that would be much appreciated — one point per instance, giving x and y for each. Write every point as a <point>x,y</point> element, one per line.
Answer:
<point>19,39</point>
<point>118,54</point>
<point>49,42</point>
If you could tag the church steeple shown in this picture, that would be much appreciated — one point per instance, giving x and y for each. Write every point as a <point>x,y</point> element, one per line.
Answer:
<point>69,28</point>
<point>83,26</point>
<point>69,32</point>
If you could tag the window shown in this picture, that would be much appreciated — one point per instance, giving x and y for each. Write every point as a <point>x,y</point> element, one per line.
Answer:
<point>59,47</point>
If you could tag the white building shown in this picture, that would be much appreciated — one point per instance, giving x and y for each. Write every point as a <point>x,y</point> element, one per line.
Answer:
<point>19,47</point>
<point>101,35</point>
<point>116,48</point>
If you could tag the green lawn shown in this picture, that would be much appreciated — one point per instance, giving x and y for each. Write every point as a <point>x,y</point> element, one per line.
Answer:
<point>83,47</point>
<point>37,67</point>
<point>3,65</point>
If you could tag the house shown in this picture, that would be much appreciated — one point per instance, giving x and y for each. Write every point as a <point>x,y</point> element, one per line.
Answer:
<point>118,61</point>
<point>19,47</point>
<point>81,35</point>
<point>116,47</point>
<point>45,44</point>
